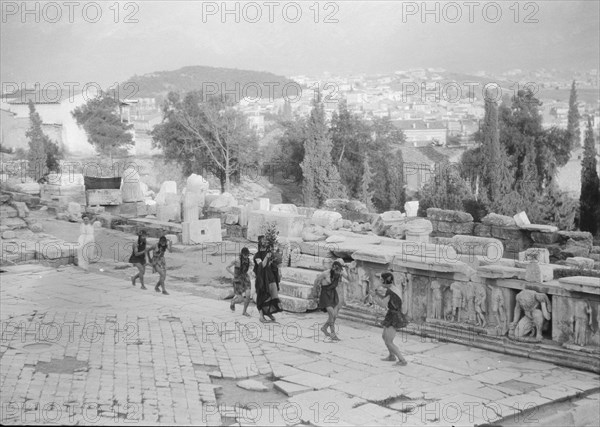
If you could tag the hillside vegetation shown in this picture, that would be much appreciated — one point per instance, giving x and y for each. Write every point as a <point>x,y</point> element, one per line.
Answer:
<point>191,78</point>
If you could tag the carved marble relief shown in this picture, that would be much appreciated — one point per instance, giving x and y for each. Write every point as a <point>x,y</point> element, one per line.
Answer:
<point>532,311</point>
<point>436,301</point>
<point>581,321</point>
<point>498,309</point>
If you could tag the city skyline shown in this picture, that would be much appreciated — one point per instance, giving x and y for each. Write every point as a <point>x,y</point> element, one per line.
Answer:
<point>366,38</point>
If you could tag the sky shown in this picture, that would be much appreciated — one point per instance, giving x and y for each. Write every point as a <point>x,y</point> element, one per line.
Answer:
<point>345,37</point>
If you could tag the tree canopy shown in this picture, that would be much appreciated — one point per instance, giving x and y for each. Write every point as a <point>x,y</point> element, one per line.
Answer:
<point>100,118</point>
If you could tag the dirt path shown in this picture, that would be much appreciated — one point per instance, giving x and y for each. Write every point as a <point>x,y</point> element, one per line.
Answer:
<point>193,269</point>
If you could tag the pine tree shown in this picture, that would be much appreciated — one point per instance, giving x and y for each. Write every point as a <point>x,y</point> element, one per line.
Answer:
<point>573,118</point>
<point>589,200</point>
<point>321,179</point>
<point>366,196</point>
<point>43,155</point>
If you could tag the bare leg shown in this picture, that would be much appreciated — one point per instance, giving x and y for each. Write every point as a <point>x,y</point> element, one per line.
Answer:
<point>246,303</point>
<point>389,334</point>
<point>163,277</point>
<point>335,311</point>
<point>141,270</point>
<point>391,357</point>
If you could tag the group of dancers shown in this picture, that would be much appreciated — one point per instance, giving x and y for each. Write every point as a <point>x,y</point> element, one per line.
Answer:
<point>156,258</point>
<point>266,267</point>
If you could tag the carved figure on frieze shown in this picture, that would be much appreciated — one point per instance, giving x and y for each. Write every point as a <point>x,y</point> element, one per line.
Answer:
<point>469,301</point>
<point>480,306</point>
<point>499,309</point>
<point>436,300</point>
<point>457,301</point>
<point>535,308</point>
<point>581,320</point>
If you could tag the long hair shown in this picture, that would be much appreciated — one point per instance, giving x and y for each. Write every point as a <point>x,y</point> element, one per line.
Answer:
<point>387,278</point>
<point>162,242</point>
<point>244,260</point>
<point>332,277</point>
<point>142,237</point>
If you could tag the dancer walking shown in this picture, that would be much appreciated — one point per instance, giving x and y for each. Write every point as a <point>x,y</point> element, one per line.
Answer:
<point>266,270</point>
<point>329,300</point>
<point>241,280</point>
<point>138,258</point>
<point>394,319</point>
<point>158,261</point>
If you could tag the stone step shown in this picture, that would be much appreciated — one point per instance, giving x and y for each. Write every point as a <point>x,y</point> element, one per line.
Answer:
<point>311,262</point>
<point>299,275</point>
<point>297,305</point>
<point>297,290</point>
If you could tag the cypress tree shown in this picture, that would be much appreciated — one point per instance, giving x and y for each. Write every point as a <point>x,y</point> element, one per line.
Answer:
<point>589,200</point>
<point>43,155</point>
<point>573,118</point>
<point>366,196</point>
<point>321,179</point>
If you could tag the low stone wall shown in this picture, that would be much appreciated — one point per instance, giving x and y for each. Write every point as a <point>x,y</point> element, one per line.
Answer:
<point>560,244</point>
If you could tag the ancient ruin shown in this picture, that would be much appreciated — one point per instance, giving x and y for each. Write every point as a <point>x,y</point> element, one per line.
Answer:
<point>501,284</point>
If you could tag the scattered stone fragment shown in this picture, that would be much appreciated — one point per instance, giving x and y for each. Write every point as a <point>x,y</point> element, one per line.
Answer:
<point>252,385</point>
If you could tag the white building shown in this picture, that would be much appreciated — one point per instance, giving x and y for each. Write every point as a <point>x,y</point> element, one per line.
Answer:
<point>55,111</point>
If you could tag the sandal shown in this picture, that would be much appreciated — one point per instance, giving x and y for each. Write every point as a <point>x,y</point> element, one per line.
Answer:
<point>144,288</point>
<point>334,337</point>
<point>263,320</point>
<point>165,293</point>
<point>389,359</point>
<point>402,363</point>
<point>246,314</point>
<point>157,289</point>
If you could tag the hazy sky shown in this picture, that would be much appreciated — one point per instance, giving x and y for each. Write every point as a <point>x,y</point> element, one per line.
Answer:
<point>373,37</point>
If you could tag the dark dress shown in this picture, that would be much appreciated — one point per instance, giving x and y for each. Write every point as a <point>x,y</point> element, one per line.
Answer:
<point>138,259</point>
<point>241,280</point>
<point>265,276</point>
<point>329,296</point>
<point>394,316</point>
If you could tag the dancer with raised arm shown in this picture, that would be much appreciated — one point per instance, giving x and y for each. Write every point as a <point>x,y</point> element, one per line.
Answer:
<point>329,300</point>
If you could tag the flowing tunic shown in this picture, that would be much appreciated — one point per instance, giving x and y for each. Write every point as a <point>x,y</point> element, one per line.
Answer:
<point>329,296</point>
<point>84,242</point>
<point>267,284</point>
<point>138,259</point>
<point>241,279</point>
<point>394,316</point>
<point>158,257</point>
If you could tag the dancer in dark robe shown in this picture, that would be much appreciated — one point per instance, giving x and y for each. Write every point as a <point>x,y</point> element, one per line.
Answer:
<point>266,270</point>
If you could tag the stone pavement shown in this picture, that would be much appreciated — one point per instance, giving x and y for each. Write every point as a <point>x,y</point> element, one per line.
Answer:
<point>88,349</point>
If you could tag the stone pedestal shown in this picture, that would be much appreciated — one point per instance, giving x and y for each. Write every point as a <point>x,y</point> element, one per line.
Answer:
<point>201,231</point>
<point>103,197</point>
<point>416,236</point>
<point>411,208</point>
<point>261,204</point>
<point>131,189</point>
<point>191,208</point>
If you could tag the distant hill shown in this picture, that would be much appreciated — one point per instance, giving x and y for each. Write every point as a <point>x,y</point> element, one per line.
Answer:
<point>186,79</point>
